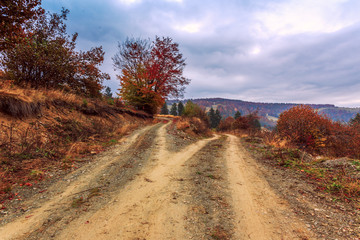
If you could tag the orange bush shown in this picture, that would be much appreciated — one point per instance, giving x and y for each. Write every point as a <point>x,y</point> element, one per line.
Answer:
<point>304,127</point>
<point>182,125</point>
<point>227,124</point>
<point>250,123</point>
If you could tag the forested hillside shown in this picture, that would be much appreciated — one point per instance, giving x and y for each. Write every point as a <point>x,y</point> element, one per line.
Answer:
<point>269,112</point>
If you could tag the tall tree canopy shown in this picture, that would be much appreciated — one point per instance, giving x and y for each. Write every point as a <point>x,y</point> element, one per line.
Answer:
<point>174,110</point>
<point>356,120</point>
<point>237,115</point>
<point>164,109</point>
<point>13,15</point>
<point>150,71</point>
<point>180,108</point>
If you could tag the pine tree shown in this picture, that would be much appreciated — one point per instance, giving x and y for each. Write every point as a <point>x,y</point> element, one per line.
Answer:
<point>212,119</point>
<point>237,115</point>
<point>217,117</point>
<point>164,109</point>
<point>180,108</point>
<point>108,92</point>
<point>355,120</point>
<point>173,110</point>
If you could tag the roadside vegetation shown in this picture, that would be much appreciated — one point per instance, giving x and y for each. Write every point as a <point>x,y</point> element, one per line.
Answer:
<point>324,151</point>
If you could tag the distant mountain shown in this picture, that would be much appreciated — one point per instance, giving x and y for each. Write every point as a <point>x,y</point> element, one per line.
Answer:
<point>269,112</point>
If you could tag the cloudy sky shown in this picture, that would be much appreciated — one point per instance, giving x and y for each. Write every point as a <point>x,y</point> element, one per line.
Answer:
<point>302,51</point>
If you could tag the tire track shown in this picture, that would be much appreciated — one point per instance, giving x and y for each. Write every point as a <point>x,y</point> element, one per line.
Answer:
<point>259,212</point>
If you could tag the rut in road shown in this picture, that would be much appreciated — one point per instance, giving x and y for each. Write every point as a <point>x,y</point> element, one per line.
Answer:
<point>259,212</point>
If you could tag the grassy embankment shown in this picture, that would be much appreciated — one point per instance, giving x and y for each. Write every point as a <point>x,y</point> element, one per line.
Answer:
<point>43,130</point>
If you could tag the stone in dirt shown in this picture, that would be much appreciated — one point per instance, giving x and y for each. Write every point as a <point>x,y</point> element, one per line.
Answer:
<point>340,162</point>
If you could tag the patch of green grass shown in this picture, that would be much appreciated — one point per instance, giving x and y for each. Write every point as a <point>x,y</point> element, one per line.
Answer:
<point>211,176</point>
<point>77,202</point>
<point>7,189</point>
<point>36,174</point>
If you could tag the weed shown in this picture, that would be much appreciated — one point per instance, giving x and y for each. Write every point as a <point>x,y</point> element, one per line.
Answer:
<point>334,187</point>
<point>94,192</point>
<point>218,233</point>
<point>7,189</point>
<point>211,176</point>
<point>110,101</point>
<point>110,142</point>
<point>356,163</point>
<point>85,103</point>
<point>36,174</point>
<point>77,202</point>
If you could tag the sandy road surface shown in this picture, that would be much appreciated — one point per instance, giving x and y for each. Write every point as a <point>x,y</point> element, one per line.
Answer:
<point>260,214</point>
<point>146,192</point>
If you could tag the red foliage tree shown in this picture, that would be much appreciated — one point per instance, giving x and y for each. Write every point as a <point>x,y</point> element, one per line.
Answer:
<point>150,72</point>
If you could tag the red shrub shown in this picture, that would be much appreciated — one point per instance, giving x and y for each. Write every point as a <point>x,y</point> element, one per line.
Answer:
<point>306,128</point>
<point>303,126</point>
<point>226,125</point>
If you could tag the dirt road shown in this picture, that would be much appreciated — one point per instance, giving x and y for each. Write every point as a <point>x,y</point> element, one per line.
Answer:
<point>157,185</point>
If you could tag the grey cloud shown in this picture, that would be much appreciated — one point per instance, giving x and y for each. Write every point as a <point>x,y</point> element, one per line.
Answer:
<point>306,67</point>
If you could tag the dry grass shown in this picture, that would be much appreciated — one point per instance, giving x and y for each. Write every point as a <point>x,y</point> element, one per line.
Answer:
<point>274,140</point>
<point>168,116</point>
<point>61,96</point>
<point>126,128</point>
<point>183,125</point>
<point>193,126</point>
<point>59,132</point>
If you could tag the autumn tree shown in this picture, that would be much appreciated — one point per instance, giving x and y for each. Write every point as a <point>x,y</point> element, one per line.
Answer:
<point>14,14</point>
<point>164,109</point>
<point>180,108</point>
<point>173,110</point>
<point>150,71</point>
<point>46,57</point>
<point>192,110</point>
